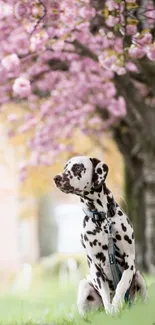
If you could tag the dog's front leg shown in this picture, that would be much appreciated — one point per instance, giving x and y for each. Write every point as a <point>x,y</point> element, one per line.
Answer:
<point>124,283</point>
<point>103,288</point>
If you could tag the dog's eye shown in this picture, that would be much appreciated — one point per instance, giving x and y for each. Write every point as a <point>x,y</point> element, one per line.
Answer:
<point>77,169</point>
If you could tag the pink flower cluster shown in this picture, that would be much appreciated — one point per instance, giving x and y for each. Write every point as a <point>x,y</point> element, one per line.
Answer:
<point>65,73</point>
<point>142,45</point>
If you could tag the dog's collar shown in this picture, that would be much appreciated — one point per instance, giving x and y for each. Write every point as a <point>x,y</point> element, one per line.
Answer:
<point>94,214</point>
<point>100,215</point>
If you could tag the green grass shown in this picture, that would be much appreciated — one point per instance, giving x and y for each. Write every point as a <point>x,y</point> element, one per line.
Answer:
<point>49,303</point>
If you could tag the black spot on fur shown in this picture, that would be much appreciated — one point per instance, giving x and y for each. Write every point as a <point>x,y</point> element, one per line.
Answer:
<point>100,275</point>
<point>123,227</point>
<point>89,260</point>
<point>131,268</point>
<point>99,189</point>
<point>85,237</point>
<point>91,244</point>
<point>99,282</point>
<point>116,247</point>
<point>97,230</point>
<point>82,242</point>
<point>105,247</point>
<point>88,263</point>
<point>101,257</point>
<point>126,265</point>
<point>85,220</point>
<point>120,213</point>
<point>133,235</point>
<point>118,254</point>
<point>128,239</point>
<point>95,242</point>
<point>121,263</point>
<point>99,170</point>
<point>77,170</point>
<point>110,283</point>
<point>99,202</point>
<point>89,232</point>
<point>118,237</point>
<point>109,199</point>
<point>106,190</point>
<point>90,298</point>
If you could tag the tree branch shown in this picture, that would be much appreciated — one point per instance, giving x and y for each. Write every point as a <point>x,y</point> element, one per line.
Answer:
<point>83,50</point>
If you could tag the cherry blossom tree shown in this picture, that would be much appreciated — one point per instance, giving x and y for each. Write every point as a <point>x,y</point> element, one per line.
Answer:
<point>88,65</point>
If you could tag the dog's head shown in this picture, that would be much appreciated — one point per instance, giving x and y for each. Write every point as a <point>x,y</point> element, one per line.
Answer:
<point>81,174</point>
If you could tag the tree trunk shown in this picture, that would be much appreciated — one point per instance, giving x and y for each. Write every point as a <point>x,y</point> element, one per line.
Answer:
<point>140,198</point>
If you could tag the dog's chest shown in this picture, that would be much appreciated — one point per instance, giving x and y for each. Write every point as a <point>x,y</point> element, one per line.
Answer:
<point>95,235</point>
<point>95,242</point>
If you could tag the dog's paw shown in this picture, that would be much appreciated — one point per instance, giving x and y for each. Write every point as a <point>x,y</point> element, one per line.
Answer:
<point>108,309</point>
<point>117,305</point>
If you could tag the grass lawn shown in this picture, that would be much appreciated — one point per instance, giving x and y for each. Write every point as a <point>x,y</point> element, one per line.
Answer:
<point>49,303</point>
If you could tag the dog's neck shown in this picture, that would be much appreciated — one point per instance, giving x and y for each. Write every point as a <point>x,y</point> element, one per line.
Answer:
<point>97,199</point>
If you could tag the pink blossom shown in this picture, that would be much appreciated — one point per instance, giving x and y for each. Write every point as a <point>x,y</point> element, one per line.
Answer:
<point>38,40</point>
<point>62,101</point>
<point>151,52</point>
<point>112,5</point>
<point>120,70</point>
<point>10,62</point>
<point>150,13</point>
<point>143,39</point>
<point>136,52</point>
<point>131,29</point>
<point>87,12</point>
<point>22,87</point>
<point>131,1</point>
<point>117,107</point>
<point>131,67</point>
<point>107,61</point>
<point>111,21</point>
<point>58,45</point>
<point>19,43</point>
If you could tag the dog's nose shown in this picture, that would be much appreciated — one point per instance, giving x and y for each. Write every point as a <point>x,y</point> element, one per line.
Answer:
<point>57,179</point>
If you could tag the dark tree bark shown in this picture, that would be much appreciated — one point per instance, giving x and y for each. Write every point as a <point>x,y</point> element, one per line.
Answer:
<point>139,193</point>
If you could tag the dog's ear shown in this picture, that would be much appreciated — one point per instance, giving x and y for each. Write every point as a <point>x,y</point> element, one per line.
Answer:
<point>100,172</point>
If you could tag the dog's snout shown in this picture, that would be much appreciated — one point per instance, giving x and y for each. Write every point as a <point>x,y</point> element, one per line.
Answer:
<point>57,179</point>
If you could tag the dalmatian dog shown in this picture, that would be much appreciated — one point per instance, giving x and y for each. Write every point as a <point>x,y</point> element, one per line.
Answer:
<point>86,177</point>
